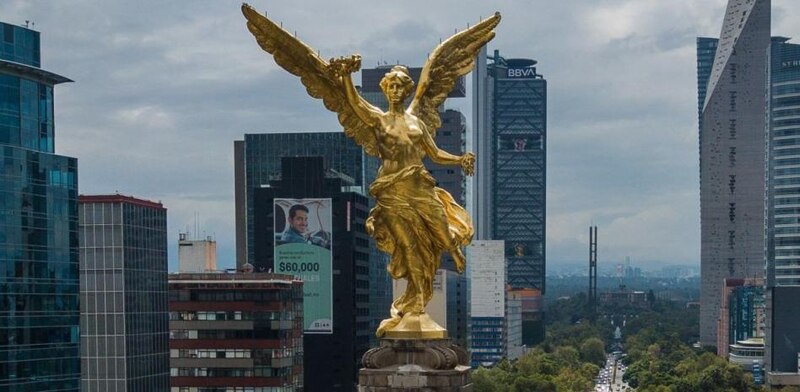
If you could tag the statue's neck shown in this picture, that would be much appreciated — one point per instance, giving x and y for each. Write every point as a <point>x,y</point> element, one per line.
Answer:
<point>396,108</point>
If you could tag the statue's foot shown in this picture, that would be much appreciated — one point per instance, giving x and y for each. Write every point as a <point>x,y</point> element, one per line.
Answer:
<point>412,326</point>
<point>387,325</point>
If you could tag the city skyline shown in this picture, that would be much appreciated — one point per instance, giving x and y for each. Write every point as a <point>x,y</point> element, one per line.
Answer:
<point>177,86</point>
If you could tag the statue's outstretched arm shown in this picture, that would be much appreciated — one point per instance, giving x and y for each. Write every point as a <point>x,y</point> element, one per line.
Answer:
<point>442,157</point>
<point>343,69</point>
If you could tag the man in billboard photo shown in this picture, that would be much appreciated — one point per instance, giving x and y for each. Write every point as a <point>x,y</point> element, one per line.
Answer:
<point>297,225</point>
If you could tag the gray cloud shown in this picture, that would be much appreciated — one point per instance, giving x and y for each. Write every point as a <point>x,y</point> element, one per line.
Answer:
<point>163,88</point>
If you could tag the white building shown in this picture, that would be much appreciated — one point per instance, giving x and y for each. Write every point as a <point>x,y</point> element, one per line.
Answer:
<point>196,255</point>
<point>487,270</point>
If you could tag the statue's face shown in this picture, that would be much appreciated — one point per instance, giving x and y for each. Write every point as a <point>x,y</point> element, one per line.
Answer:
<point>395,90</point>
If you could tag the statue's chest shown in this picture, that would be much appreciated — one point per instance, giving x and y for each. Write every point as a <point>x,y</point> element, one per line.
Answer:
<point>400,133</point>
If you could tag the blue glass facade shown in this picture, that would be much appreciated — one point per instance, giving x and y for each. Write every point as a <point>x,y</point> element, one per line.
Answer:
<point>706,49</point>
<point>39,335</point>
<point>487,340</point>
<point>746,313</point>
<point>20,45</point>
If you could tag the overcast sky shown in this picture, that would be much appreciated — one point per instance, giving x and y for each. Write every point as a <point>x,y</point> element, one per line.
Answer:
<point>163,88</point>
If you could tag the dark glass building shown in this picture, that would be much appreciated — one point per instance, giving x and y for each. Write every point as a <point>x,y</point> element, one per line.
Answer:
<point>511,131</point>
<point>124,324</point>
<point>262,153</point>
<point>334,357</point>
<point>235,332</point>
<point>39,336</point>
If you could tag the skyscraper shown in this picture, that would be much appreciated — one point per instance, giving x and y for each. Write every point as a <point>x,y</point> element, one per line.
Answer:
<point>783,224</point>
<point>509,136</point>
<point>39,308</point>
<point>124,315</point>
<point>732,157</point>
<point>330,253</point>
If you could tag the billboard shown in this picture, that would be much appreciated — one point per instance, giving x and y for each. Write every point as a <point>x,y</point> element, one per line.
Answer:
<point>303,248</point>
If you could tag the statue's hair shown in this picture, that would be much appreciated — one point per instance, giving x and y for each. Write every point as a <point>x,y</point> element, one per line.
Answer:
<point>401,73</point>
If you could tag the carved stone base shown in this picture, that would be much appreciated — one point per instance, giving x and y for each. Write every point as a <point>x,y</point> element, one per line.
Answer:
<point>435,365</point>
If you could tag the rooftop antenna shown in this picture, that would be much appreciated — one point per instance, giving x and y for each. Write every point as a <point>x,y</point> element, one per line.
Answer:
<point>196,224</point>
<point>592,273</point>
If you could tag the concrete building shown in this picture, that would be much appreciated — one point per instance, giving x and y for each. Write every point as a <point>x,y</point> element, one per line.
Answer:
<point>514,347</point>
<point>39,307</point>
<point>235,332</point>
<point>732,156</point>
<point>196,255</point>
<point>487,274</point>
<point>510,136</point>
<point>124,325</point>
<point>332,259</point>
<point>624,297</point>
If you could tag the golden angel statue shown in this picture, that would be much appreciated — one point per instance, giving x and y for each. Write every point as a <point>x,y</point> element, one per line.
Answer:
<point>413,220</point>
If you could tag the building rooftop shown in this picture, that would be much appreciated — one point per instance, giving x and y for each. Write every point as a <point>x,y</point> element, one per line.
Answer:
<point>117,198</point>
<point>32,72</point>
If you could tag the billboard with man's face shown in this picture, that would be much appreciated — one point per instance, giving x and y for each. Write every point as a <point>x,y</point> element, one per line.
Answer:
<point>303,248</point>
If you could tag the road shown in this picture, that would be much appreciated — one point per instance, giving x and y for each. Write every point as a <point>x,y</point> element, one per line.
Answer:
<point>610,377</point>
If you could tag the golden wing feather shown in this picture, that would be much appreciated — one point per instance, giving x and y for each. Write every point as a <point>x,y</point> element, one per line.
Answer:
<point>452,59</point>
<point>301,60</point>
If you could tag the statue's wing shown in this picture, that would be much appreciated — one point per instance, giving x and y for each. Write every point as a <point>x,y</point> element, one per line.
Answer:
<point>449,61</point>
<point>300,60</point>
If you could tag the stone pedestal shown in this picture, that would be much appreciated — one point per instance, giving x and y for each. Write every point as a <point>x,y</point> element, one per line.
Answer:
<point>433,365</point>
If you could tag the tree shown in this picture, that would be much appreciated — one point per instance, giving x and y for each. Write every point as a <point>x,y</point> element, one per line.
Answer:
<point>593,351</point>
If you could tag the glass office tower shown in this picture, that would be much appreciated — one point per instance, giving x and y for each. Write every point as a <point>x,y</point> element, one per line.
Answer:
<point>783,214</point>
<point>39,339</point>
<point>124,304</point>
<point>510,121</point>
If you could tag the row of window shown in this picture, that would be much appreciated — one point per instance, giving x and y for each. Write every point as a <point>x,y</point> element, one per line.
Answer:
<point>238,389</point>
<point>226,316</point>
<point>230,296</point>
<point>260,371</point>
<point>233,353</point>
<point>260,333</point>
